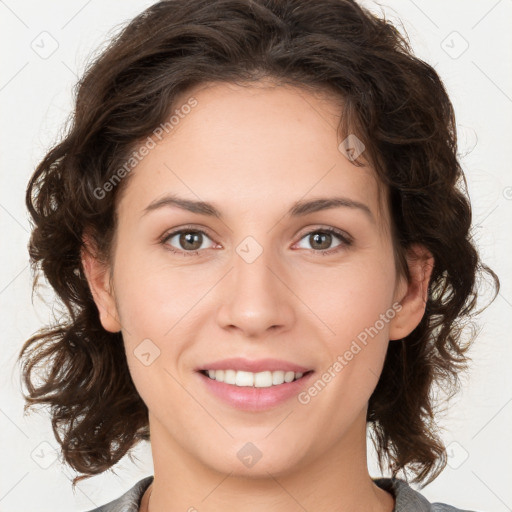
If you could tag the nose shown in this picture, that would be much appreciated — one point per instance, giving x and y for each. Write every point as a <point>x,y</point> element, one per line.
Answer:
<point>255,298</point>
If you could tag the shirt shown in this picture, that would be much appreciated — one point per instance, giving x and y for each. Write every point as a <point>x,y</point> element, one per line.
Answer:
<point>406,498</point>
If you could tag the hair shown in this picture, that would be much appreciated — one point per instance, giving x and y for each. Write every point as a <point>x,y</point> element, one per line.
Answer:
<point>395,103</point>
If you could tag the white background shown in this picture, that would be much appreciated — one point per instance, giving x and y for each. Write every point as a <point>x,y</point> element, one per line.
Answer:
<point>36,98</point>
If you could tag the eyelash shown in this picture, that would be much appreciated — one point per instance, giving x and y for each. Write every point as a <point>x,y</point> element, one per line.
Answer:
<point>346,241</point>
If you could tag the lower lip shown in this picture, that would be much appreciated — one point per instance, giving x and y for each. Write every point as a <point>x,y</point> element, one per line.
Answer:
<point>252,398</point>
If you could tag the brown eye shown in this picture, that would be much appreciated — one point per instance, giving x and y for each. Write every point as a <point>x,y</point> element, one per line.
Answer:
<point>186,241</point>
<point>321,240</point>
<point>190,240</point>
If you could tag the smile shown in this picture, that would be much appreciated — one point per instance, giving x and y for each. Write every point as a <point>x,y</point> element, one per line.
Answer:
<point>254,392</point>
<point>264,379</point>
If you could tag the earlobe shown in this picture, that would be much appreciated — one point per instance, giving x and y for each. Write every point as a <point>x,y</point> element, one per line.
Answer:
<point>98,278</point>
<point>412,295</point>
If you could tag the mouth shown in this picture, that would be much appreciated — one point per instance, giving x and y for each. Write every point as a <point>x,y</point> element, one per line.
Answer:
<point>254,392</point>
<point>263,379</point>
<point>253,384</point>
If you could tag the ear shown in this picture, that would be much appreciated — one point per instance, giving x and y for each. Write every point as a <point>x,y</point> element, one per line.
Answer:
<point>412,295</point>
<point>97,273</point>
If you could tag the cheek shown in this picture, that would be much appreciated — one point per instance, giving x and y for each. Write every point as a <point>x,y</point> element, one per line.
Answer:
<point>353,299</point>
<point>157,305</point>
<point>152,306</point>
<point>355,353</point>
<point>358,308</point>
<point>151,296</point>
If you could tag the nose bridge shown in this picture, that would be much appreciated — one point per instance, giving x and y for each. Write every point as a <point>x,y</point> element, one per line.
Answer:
<point>256,299</point>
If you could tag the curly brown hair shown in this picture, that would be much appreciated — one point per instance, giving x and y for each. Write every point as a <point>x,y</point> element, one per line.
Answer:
<point>394,102</point>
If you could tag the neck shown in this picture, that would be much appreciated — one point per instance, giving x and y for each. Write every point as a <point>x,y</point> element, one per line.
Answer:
<point>338,480</point>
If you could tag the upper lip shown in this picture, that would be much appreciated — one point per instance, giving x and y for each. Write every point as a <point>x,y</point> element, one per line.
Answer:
<point>254,366</point>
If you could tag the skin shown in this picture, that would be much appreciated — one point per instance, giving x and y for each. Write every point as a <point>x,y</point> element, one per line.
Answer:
<point>236,149</point>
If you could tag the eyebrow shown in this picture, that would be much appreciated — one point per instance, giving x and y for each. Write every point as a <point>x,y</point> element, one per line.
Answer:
<point>298,209</point>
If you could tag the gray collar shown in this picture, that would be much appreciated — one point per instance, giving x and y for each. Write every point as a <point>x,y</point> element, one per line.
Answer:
<point>407,499</point>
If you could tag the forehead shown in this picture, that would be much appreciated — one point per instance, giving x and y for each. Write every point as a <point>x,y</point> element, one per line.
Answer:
<point>252,146</point>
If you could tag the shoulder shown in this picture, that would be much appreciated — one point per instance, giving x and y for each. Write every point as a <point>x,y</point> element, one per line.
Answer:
<point>409,500</point>
<point>129,501</point>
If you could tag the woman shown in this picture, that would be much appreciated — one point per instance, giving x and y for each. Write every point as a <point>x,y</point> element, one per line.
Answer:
<point>257,224</point>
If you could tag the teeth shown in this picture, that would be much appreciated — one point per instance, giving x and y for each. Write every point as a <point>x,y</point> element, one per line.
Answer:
<point>249,379</point>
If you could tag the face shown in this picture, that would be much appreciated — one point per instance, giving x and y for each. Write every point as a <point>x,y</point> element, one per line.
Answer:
<point>275,275</point>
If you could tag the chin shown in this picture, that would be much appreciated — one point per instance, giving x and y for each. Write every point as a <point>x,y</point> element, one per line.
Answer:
<point>255,460</point>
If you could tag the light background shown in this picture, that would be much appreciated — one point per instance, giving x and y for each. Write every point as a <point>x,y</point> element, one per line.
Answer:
<point>44,48</point>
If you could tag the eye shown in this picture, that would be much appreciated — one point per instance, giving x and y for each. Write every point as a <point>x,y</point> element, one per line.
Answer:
<point>188,241</point>
<point>321,240</point>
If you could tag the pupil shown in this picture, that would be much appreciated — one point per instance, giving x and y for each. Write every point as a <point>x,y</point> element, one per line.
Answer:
<point>188,239</point>
<point>316,236</point>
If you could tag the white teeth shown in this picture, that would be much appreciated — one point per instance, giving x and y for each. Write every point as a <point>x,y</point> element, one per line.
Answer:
<point>248,379</point>
<point>230,376</point>
<point>244,379</point>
